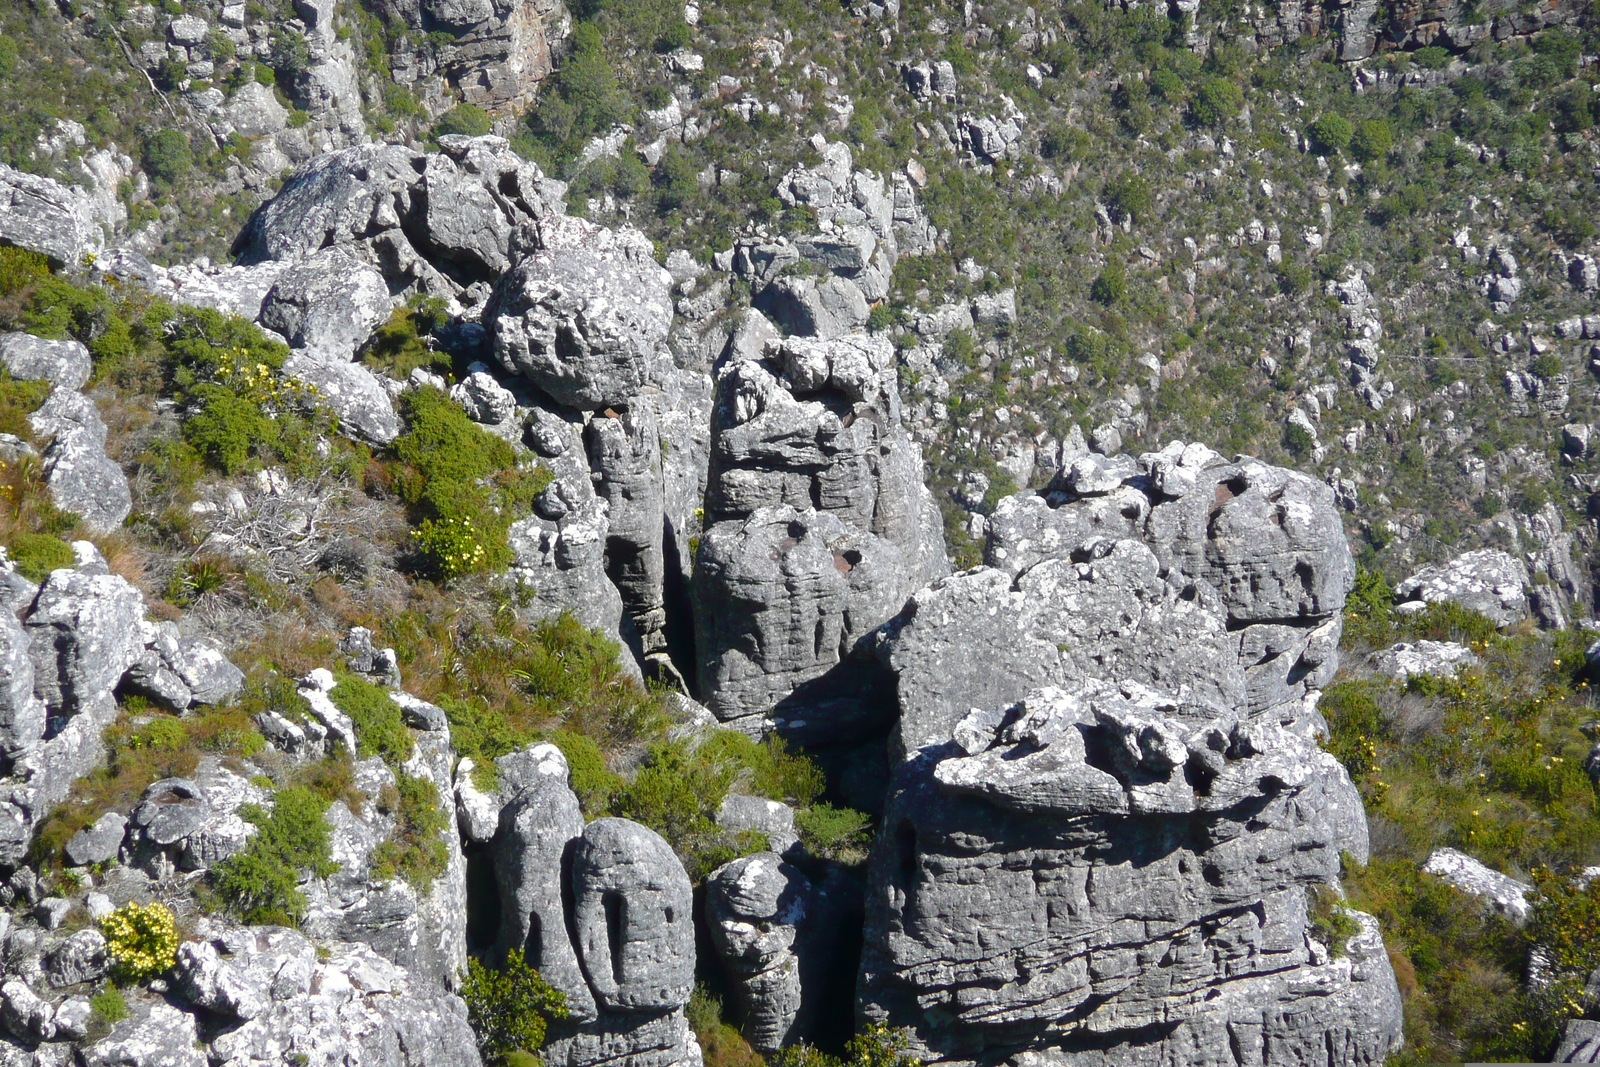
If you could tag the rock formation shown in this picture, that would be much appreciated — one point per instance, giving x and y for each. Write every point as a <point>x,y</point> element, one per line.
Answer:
<point>1101,840</point>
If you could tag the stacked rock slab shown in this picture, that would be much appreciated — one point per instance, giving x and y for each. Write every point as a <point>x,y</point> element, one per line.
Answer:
<point>1100,842</point>
<point>821,524</point>
<point>604,911</point>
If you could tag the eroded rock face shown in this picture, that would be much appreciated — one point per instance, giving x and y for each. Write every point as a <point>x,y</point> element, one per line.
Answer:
<point>1075,869</point>
<point>778,936</point>
<point>583,314</point>
<point>432,223</point>
<point>1217,581</point>
<point>821,524</point>
<point>1488,581</point>
<point>44,216</point>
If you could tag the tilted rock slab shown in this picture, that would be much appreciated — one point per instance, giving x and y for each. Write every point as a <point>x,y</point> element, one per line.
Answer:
<point>1103,875</point>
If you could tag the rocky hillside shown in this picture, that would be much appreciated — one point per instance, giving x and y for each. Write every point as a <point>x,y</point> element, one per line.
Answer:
<point>652,534</point>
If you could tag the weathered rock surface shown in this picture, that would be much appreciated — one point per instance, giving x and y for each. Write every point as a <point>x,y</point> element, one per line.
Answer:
<point>583,314</point>
<point>1220,582</point>
<point>81,477</point>
<point>434,223</point>
<point>44,216</point>
<point>64,364</point>
<point>1488,581</point>
<point>605,911</point>
<point>328,303</point>
<point>1076,869</point>
<point>778,936</point>
<point>822,525</point>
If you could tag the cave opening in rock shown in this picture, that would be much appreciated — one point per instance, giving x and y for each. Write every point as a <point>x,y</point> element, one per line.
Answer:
<point>483,899</point>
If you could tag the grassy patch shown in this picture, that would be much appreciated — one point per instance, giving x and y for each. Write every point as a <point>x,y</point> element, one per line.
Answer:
<point>380,727</point>
<point>414,851</point>
<point>1490,763</point>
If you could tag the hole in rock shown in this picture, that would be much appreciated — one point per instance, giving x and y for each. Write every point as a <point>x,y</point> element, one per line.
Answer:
<point>483,899</point>
<point>615,908</point>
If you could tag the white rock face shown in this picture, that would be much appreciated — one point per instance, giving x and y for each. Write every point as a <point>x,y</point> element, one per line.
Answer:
<point>1507,895</point>
<point>1488,581</point>
<point>1438,659</point>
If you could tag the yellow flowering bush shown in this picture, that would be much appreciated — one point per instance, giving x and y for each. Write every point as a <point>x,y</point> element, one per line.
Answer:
<point>142,940</point>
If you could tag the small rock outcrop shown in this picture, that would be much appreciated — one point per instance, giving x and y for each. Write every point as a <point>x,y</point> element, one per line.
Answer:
<point>605,911</point>
<point>583,314</point>
<point>1435,659</point>
<point>1488,581</point>
<point>44,216</point>
<point>1105,829</point>
<point>1073,869</point>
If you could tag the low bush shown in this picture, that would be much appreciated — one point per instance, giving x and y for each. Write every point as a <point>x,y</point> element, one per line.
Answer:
<point>510,1009</point>
<point>380,727</point>
<point>414,851</point>
<point>36,555</point>
<point>1331,133</point>
<point>262,883</point>
<point>141,940</point>
<point>463,484</point>
<point>469,119</point>
<point>109,1006</point>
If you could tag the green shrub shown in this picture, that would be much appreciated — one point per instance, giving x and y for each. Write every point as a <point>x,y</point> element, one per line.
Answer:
<point>380,727</point>
<point>1432,57</point>
<point>414,851</point>
<point>1128,194</point>
<point>1110,286</point>
<point>1371,140</point>
<point>879,1046</point>
<point>1169,86</point>
<point>228,428</point>
<point>464,484</point>
<point>1298,440</point>
<point>36,555</point>
<point>262,883</point>
<point>510,1008</point>
<point>142,941</point>
<point>469,119</point>
<point>834,832</point>
<point>109,1005</point>
<point>1331,133</point>
<point>167,155</point>
<point>1218,101</point>
<point>399,346</point>
<point>8,55</point>
<point>590,777</point>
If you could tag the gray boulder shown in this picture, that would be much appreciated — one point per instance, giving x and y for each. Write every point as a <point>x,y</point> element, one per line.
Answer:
<point>638,957</point>
<point>79,958</point>
<point>1435,659</point>
<point>352,392</point>
<point>1488,581</point>
<point>22,713</point>
<point>208,981</point>
<point>781,598</point>
<point>161,1036</point>
<point>331,1005</point>
<point>538,827</point>
<point>99,842</point>
<point>81,477</point>
<point>432,223</point>
<point>24,1013</point>
<point>328,304</point>
<point>64,364</point>
<point>777,936</point>
<point>84,632</point>
<point>1501,892</point>
<point>1580,1042</point>
<point>625,455</point>
<point>562,561</point>
<point>44,216</point>
<point>583,314</point>
<point>804,306</point>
